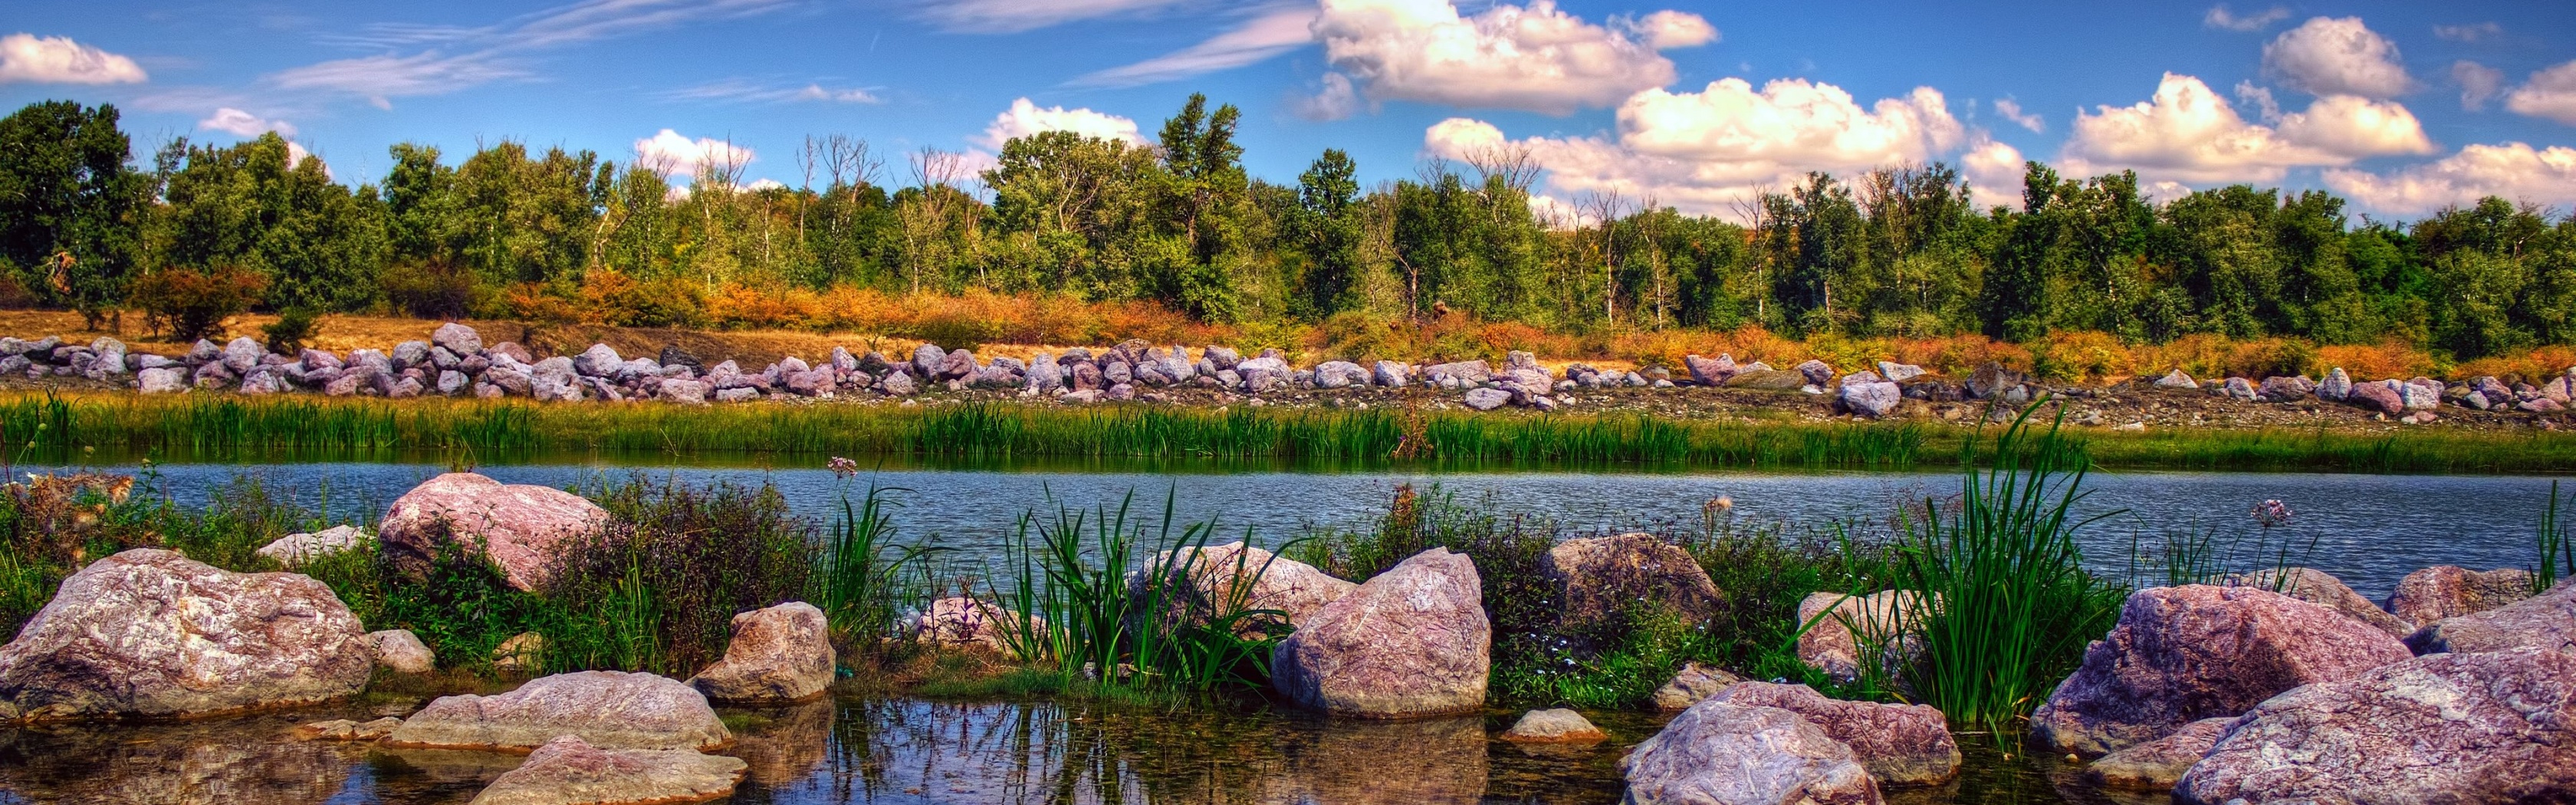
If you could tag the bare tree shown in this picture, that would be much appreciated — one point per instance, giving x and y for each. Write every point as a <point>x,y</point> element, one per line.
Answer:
<point>1510,161</point>
<point>936,172</point>
<point>1607,207</point>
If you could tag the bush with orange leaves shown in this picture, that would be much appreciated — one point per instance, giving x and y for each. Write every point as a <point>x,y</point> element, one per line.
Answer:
<point>2536,367</point>
<point>2206,355</point>
<point>2385,360</point>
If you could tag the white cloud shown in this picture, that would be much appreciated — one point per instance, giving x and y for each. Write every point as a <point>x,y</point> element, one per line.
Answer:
<point>1013,16</point>
<point>1337,100</point>
<point>59,60</point>
<point>680,158</point>
<point>494,52</point>
<point>1707,151</point>
<point>1994,172</point>
<point>2478,83</point>
<point>244,124</point>
<point>758,185</point>
<point>2477,32</point>
<point>2550,93</point>
<point>2221,18</point>
<point>2265,106</point>
<point>2187,133</point>
<point>1269,34</point>
<point>1535,57</point>
<point>742,91</point>
<point>2011,110</point>
<point>2513,171</point>
<point>2337,56</point>
<point>1025,118</point>
<point>380,79</point>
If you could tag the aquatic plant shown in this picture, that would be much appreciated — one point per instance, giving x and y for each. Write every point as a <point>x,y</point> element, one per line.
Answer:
<point>861,585</point>
<point>2557,549</point>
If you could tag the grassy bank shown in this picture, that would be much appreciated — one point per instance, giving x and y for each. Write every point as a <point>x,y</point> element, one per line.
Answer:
<point>50,427</point>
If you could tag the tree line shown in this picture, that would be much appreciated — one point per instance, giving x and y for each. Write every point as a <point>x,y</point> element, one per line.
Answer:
<point>1900,251</point>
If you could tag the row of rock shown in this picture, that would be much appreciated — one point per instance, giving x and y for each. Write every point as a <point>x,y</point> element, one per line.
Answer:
<point>2392,396</point>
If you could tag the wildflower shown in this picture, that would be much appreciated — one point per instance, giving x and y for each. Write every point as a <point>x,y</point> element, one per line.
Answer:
<point>842,467</point>
<point>2271,513</point>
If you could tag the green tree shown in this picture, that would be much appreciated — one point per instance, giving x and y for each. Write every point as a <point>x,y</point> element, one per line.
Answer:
<point>69,204</point>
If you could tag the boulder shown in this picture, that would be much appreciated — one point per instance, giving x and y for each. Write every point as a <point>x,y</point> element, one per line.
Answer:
<point>2182,654</point>
<point>1412,641</point>
<point>520,526</point>
<point>2490,728</point>
<point>600,360</point>
<point>927,360</point>
<point>1728,754</point>
<point>150,633</point>
<point>1995,381</point>
<point>1461,373</point>
<point>400,651</point>
<point>2177,380</point>
<point>1900,744</point>
<point>570,771</point>
<point>296,549</point>
<point>1213,577</point>
<point>457,338</point>
<point>1871,399</point>
<point>242,354</point>
<point>2239,389</point>
<point>961,622</point>
<point>162,380</point>
<point>607,708</point>
<point>1692,685</point>
<point>2156,765</point>
<point>1838,624</point>
<point>1709,372</point>
<point>2449,591</point>
<point>1487,399</point>
<point>2323,589</point>
<point>1391,374</point>
<point>1340,374</point>
<point>778,655</point>
<point>1558,726</point>
<point>956,365</point>
<point>1600,579</point>
<point>2336,387</point>
<point>2287,389</point>
<point>682,391</point>
<point>2545,621</point>
<point>2378,397</point>
<point>1817,372</point>
<point>1898,372</point>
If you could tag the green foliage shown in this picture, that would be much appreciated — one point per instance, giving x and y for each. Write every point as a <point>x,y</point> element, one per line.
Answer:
<point>192,304</point>
<point>2557,548</point>
<point>657,590</point>
<point>68,203</point>
<point>430,290</point>
<point>861,583</point>
<point>288,334</point>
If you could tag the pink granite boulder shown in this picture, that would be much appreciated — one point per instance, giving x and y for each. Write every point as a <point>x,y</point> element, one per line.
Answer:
<point>1411,642</point>
<point>520,526</point>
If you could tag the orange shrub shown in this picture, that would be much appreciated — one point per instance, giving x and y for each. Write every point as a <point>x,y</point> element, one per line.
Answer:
<point>539,303</point>
<point>2081,356</point>
<point>1960,355</point>
<point>2375,361</point>
<point>741,307</point>
<point>610,296</point>
<point>2535,367</point>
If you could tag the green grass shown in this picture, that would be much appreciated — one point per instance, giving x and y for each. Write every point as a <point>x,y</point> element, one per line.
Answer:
<point>295,428</point>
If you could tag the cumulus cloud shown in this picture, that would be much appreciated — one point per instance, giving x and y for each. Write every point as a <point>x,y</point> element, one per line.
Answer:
<point>244,124</point>
<point>2337,56</point>
<point>1025,118</point>
<point>2011,110</point>
<point>2511,170</point>
<point>681,159</point>
<point>2477,32</point>
<point>1268,34</point>
<point>1994,172</point>
<point>2478,83</point>
<point>59,60</point>
<point>1338,99</point>
<point>1707,151</point>
<point>2550,93</point>
<point>2220,17</point>
<point>1532,57</point>
<point>2188,133</point>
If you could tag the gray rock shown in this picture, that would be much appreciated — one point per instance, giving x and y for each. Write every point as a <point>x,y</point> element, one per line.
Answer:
<point>1340,374</point>
<point>111,357</point>
<point>685,392</point>
<point>1391,374</point>
<point>161,380</point>
<point>404,389</point>
<point>2421,395</point>
<point>1708,372</point>
<point>957,365</point>
<point>1487,399</point>
<point>409,354</point>
<point>1045,375</point>
<point>452,382</point>
<point>1899,744</point>
<point>2286,389</point>
<point>2177,380</point>
<point>747,394</point>
<point>606,708</point>
<point>843,361</point>
<point>1898,372</point>
<point>457,338</point>
<point>600,360</point>
<point>1870,399</point>
<point>1717,753</point>
<point>779,654</point>
<point>1411,641</point>
<point>1817,372</point>
<point>2381,396</point>
<point>2239,389</point>
<point>400,651</point>
<point>1461,373</point>
<point>2336,387</point>
<point>926,360</point>
<point>1120,391</point>
<point>895,384</point>
<point>298,548</point>
<point>242,354</point>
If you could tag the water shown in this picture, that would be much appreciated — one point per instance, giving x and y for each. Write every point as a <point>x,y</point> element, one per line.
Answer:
<point>2370,530</point>
<point>919,752</point>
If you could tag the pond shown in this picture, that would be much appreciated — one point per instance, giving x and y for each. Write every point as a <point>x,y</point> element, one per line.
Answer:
<point>2370,530</point>
<point>906,751</point>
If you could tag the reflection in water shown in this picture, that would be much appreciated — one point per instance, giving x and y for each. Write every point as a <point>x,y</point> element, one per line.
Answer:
<point>913,751</point>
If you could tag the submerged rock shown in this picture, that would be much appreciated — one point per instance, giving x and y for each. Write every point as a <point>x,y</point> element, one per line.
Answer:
<point>2156,765</point>
<point>1600,579</point>
<point>1554,726</point>
<point>780,654</point>
<point>2449,591</point>
<point>2469,729</point>
<point>2181,654</point>
<point>148,632</point>
<point>520,526</point>
<point>1729,754</point>
<point>569,771</point>
<point>346,730</point>
<point>1412,641</point>
<point>1899,744</point>
<point>606,708</point>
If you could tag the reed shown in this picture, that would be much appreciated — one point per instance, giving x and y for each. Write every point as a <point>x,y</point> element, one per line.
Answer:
<point>2557,547</point>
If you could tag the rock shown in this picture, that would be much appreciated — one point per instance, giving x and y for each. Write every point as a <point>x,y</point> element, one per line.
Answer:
<point>2157,764</point>
<point>452,382</point>
<point>1898,372</point>
<point>685,392</point>
<point>162,380</point>
<point>2177,380</point>
<point>411,354</point>
<point>2421,394</point>
<point>1558,726</point>
<point>1872,400</point>
<point>1817,372</point>
<point>962,622</point>
<point>2239,389</point>
<point>520,526</point>
<point>927,360</point>
<point>1600,579</point>
<point>296,549</point>
<point>2323,589</point>
<point>1767,380</point>
<point>525,651</point>
<point>150,633</point>
<point>400,651</point>
<point>1412,641</point>
<point>1340,374</point>
<point>570,771</point>
<point>1458,374</point>
<point>1391,374</point>
<point>1692,685</point>
<point>2546,621</point>
<point>607,708</point>
<point>778,655</point>
<point>2376,397</point>
<point>956,365</point>
<point>242,354</point>
<point>600,360</point>
<point>1900,744</point>
<point>2287,389</point>
<point>458,338</point>
<point>2182,654</point>
<point>1995,381</point>
<point>1487,399</point>
<point>2336,387</point>
<point>2449,591</point>
<point>2489,728</point>
<point>1216,575</point>
<point>1708,372</point>
<point>1837,625</point>
<point>1727,754</point>
<point>747,394</point>
<point>346,730</point>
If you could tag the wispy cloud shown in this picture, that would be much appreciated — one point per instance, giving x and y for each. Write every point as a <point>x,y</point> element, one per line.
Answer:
<point>2220,17</point>
<point>453,58</point>
<point>1013,16</point>
<point>2473,32</point>
<point>2011,110</point>
<point>736,90</point>
<point>1277,30</point>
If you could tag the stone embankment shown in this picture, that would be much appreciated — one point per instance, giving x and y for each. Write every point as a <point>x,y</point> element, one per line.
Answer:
<point>456,362</point>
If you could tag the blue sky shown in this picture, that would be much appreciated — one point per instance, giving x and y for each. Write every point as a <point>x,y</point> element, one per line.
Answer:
<point>2402,107</point>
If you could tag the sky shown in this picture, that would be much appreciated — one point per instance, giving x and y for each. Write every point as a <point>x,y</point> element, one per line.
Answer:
<point>2401,107</point>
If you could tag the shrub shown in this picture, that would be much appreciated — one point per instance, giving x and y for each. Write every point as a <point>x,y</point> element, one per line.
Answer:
<point>190,304</point>
<point>658,588</point>
<point>287,335</point>
<point>2082,356</point>
<point>740,307</point>
<point>2387,359</point>
<point>613,297</point>
<point>432,290</point>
